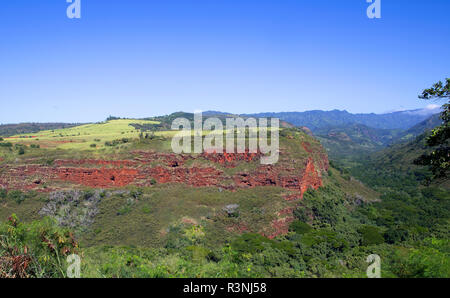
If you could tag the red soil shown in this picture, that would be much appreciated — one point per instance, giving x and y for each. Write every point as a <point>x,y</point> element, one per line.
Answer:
<point>119,173</point>
<point>98,178</point>
<point>307,147</point>
<point>96,162</point>
<point>270,175</point>
<point>280,227</point>
<point>229,159</point>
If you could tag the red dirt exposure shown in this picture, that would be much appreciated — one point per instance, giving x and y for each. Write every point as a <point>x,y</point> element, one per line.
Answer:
<point>95,162</point>
<point>307,147</point>
<point>229,159</point>
<point>170,168</point>
<point>270,175</point>
<point>98,178</point>
<point>195,176</point>
<point>280,227</point>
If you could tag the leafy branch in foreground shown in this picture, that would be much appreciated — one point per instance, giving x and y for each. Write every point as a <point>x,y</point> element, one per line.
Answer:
<point>36,249</point>
<point>439,159</point>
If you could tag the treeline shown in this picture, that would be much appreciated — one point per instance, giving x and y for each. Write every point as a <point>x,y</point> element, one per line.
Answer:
<point>7,130</point>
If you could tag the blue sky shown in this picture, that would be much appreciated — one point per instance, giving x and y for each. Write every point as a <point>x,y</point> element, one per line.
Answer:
<point>143,58</point>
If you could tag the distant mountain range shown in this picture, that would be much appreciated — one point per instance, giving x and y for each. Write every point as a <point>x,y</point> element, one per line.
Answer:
<point>346,142</point>
<point>315,120</point>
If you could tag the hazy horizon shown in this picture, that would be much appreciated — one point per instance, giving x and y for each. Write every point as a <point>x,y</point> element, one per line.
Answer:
<point>430,109</point>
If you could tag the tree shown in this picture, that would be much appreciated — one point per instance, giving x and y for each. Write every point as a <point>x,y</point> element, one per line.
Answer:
<point>439,159</point>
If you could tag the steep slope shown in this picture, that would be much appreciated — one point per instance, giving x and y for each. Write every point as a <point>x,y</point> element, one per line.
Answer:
<point>417,130</point>
<point>206,183</point>
<point>394,165</point>
<point>353,140</point>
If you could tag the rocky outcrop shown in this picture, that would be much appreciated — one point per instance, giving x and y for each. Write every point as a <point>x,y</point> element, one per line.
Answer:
<point>72,208</point>
<point>169,168</point>
<point>231,159</point>
<point>98,178</point>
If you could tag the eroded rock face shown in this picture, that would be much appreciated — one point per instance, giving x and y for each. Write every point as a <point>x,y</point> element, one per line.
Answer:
<point>72,208</point>
<point>272,176</point>
<point>170,168</point>
<point>230,159</point>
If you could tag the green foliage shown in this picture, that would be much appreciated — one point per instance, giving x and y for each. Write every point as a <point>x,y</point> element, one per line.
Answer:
<point>325,239</point>
<point>396,234</point>
<point>250,243</point>
<point>110,118</point>
<point>6,145</point>
<point>439,90</point>
<point>17,196</point>
<point>439,159</point>
<point>146,209</point>
<point>3,193</point>
<point>24,128</point>
<point>117,142</point>
<point>300,227</point>
<point>370,235</point>
<point>37,249</point>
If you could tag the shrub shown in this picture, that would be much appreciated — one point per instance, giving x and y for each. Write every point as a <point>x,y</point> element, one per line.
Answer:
<point>117,142</point>
<point>93,145</point>
<point>370,236</point>
<point>146,209</point>
<point>3,193</point>
<point>396,234</point>
<point>300,227</point>
<point>21,151</point>
<point>17,196</point>
<point>38,249</point>
<point>250,243</point>
<point>327,238</point>
<point>6,145</point>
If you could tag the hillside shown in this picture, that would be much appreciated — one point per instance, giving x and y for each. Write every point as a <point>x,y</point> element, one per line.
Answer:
<point>133,208</point>
<point>65,159</point>
<point>353,140</point>
<point>82,136</point>
<point>136,198</point>
<point>420,128</point>
<point>394,165</point>
<point>350,142</point>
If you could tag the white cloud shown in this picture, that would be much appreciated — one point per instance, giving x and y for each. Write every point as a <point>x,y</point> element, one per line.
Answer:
<point>432,107</point>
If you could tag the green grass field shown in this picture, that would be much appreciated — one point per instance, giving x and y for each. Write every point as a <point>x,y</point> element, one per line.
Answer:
<point>91,136</point>
<point>83,136</point>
